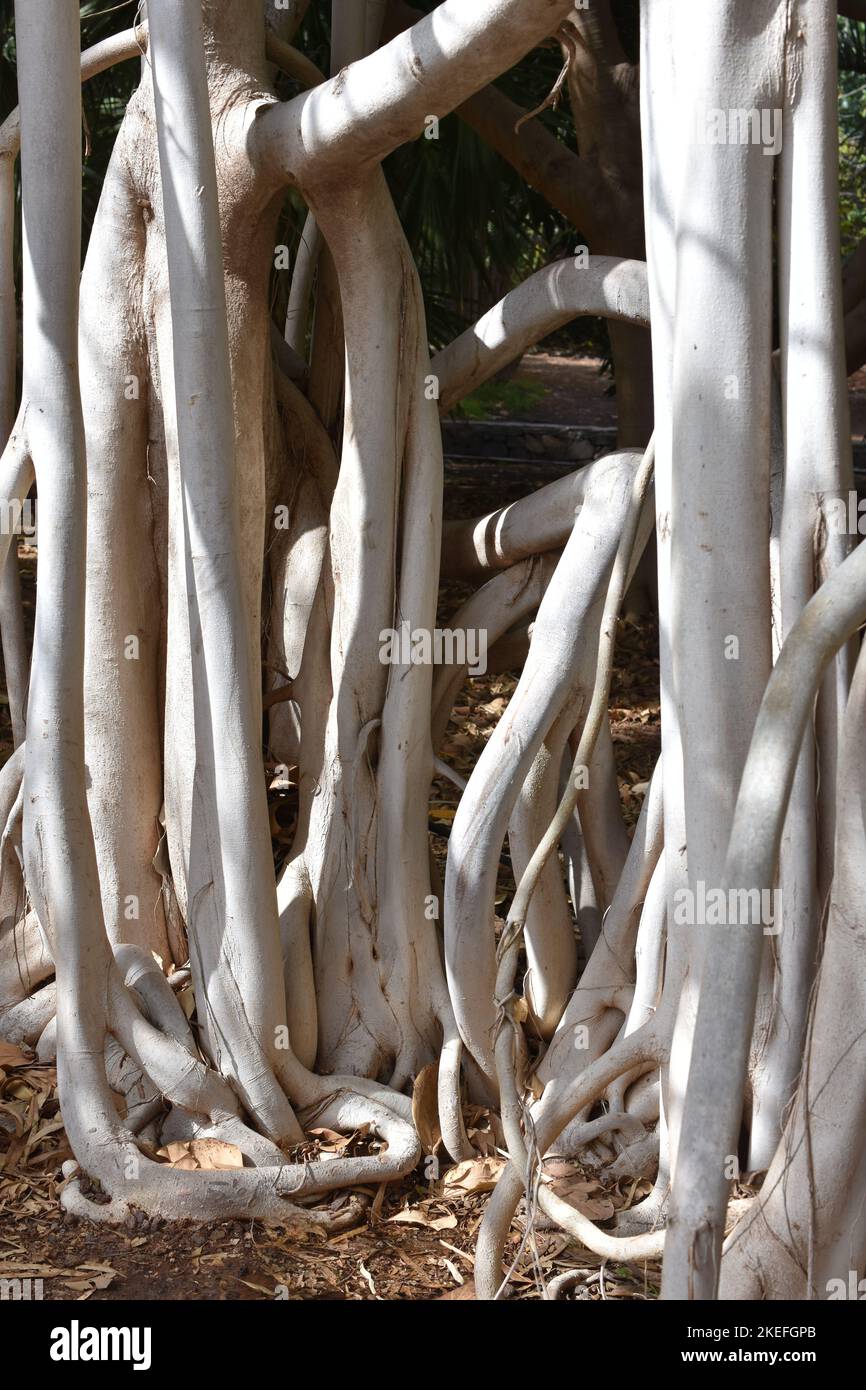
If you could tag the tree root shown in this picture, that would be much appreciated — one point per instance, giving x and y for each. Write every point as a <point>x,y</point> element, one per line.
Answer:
<point>547,1122</point>
<point>117,1211</point>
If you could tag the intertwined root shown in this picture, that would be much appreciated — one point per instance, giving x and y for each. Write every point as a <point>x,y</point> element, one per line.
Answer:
<point>133,821</point>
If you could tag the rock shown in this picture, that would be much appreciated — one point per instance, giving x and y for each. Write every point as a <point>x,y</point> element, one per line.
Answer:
<point>581,451</point>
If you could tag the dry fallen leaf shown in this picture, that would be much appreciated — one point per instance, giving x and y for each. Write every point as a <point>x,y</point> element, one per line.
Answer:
<point>417,1216</point>
<point>12,1056</point>
<point>466,1290</point>
<point>330,1142</point>
<point>425,1107</point>
<point>473,1175</point>
<point>91,1282</point>
<point>589,1198</point>
<point>211,1155</point>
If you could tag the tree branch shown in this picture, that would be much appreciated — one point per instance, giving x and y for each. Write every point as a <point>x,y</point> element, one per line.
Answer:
<point>375,105</point>
<point>607,286</point>
<point>130,44</point>
<point>569,184</point>
<point>292,62</point>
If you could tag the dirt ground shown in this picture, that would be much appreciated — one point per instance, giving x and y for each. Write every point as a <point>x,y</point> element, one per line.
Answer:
<point>576,393</point>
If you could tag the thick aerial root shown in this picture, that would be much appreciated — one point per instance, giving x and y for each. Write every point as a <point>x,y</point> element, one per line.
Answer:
<point>218,829</point>
<point>46,1043</point>
<point>605,991</point>
<point>551,949</point>
<point>505,600</point>
<point>12,899</point>
<point>264,1193</point>
<point>142,975</point>
<point>562,1284</point>
<point>181,1077</point>
<point>295,901</point>
<point>11,777</point>
<point>648,1246</point>
<point>817,466</point>
<point>25,960</point>
<point>648,1216</point>
<point>588,912</point>
<point>629,549</point>
<point>598,810</point>
<point>731,966</point>
<point>649,951</point>
<point>557,677</point>
<point>132,43</point>
<point>454,1134</point>
<point>16,479</point>
<point>298,309</point>
<point>25,1021</point>
<point>16,664</point>
<point>548,1121</point>
<point>627,553</point>
<point>540,522</point>
<point>516,1119</point>
<point>805,1233</point>
<point>169,1057</point>
<point>119,1212</point>
<point>608,286</point>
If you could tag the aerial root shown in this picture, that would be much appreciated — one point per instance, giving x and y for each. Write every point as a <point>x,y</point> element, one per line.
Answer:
<point>562,1284</point>
<point>205,1107</point>
<point>454,1135</point>
<point>117,1211</point>
<point>523,1176</point>
<point>129,1178</point>
<point>25,1021</point>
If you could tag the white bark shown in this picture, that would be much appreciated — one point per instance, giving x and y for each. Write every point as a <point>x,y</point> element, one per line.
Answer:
<point>713,442</point>
<point>142,774</point>
<point>366,111</point>
<point>725,1015</point>
<point>231,890</point>
<point>556,682</point>
<point>817,439</point>
<point>606,286</point>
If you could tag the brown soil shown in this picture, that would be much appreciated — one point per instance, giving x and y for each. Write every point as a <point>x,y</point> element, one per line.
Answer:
<point>577,393</point>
